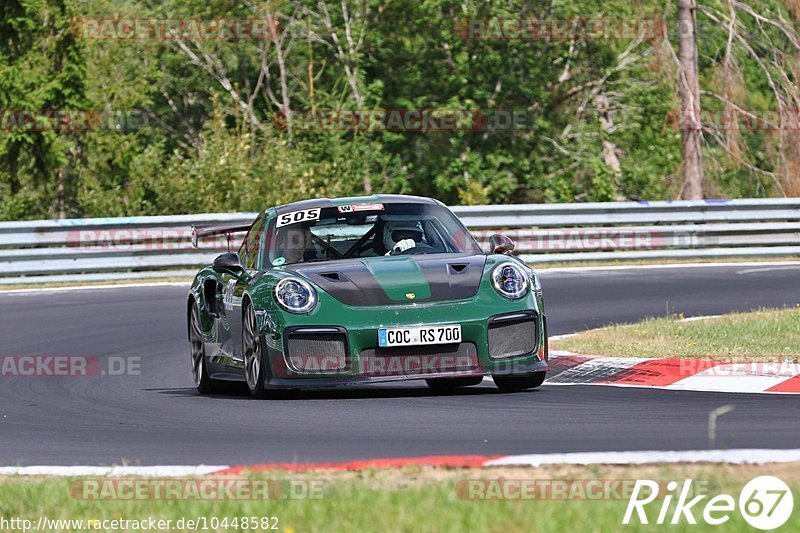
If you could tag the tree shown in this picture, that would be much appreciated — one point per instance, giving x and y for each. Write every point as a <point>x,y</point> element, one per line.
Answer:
<point>689,90</point>
<point>42,68</point>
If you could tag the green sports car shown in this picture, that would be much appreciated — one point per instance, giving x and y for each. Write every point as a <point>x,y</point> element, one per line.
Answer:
<point>363,290</point>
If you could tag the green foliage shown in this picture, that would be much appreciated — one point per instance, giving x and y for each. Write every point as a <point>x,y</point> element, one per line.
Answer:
<point>42,68</point>
<point>199,126</point>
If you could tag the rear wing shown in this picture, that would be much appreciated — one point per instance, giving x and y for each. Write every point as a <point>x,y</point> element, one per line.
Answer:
<point>213,231</point>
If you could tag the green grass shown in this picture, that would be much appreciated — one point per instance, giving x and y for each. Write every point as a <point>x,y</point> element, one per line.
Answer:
<point>765,335</point>
<point>405,500</point>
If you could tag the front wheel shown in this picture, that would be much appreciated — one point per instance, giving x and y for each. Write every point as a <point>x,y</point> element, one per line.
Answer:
<point>519,383</point>
<point>448,384</point>
<point>255,364</point>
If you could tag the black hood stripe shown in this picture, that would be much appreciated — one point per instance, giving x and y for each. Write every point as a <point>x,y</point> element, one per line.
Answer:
<point>450,277</point>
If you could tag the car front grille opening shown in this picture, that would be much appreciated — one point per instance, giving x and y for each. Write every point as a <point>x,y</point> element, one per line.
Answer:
<point>512,338</point>
<point>317,352</point>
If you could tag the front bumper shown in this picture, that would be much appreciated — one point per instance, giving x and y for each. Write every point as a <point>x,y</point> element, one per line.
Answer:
<point>352,356</point>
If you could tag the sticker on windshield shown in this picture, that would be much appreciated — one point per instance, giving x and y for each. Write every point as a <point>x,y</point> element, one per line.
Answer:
<point>306,215</point>
<point>355,208</point>
<point>278,261</point>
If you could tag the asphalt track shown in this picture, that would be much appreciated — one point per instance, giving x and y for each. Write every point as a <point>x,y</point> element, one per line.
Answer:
<point>158,418</point>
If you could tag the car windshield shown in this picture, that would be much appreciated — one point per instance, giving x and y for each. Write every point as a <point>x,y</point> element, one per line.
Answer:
<point>366,230</point>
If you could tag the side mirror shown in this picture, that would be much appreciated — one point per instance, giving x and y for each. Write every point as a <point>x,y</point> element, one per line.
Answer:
<point>228,263</point>
<point>501,244</point>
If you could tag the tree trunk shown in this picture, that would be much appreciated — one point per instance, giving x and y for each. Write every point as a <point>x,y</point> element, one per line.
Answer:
<point>280,52</point>
<point>690,102</point>
<point>609,148</point>
<point>61,196</point>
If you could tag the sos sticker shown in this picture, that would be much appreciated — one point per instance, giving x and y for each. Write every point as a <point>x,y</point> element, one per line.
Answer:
<point>307,215</point>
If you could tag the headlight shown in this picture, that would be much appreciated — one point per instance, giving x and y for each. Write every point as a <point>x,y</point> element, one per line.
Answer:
<point>510,280</point>
<point>295,295</point>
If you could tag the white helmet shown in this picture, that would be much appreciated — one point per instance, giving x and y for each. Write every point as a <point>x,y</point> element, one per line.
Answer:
<point>395,231</point>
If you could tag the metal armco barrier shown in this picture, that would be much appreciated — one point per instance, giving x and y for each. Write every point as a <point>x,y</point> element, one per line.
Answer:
<point>147,247</point>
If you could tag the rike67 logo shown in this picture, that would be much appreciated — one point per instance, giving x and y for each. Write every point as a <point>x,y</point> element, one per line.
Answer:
<point>765,503</point>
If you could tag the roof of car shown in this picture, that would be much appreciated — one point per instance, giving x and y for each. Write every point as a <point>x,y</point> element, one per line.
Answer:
<point>333,202</point>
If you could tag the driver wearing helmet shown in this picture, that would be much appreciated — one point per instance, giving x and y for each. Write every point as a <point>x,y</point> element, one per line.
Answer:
<point>399,236</point>
<point>296,244</point>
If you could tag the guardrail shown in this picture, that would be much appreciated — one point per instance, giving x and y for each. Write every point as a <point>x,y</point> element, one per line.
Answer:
<point>142,247</point>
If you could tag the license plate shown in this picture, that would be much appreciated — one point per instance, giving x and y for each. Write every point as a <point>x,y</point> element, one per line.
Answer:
<point>419,335</point>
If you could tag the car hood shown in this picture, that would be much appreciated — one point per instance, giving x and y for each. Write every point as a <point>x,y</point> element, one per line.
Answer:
<point>397,279</point>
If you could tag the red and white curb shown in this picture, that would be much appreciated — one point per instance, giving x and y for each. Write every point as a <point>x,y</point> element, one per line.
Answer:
<point>568,368</point>
<point>736,456</point>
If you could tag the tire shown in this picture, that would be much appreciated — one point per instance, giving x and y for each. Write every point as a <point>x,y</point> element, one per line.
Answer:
<point>256,364</point>
<point>519,383</point>
<point>202,381</point>
<point>449,384</point>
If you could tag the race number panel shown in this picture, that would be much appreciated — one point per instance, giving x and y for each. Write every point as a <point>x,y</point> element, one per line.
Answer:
<point>306,215</point>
